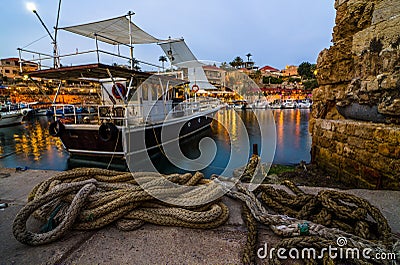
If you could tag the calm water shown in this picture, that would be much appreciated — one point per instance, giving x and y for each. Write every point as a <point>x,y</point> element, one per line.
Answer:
<point>30,145</point>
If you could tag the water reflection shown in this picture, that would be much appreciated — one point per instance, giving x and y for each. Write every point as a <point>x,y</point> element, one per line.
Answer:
<point>293,137</point>
<point>31,145</point>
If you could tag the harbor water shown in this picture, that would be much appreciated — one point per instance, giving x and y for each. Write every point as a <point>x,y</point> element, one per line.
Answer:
<point>30,145</point>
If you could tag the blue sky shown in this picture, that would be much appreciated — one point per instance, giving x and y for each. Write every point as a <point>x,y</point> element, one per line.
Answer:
<point>276,33</point>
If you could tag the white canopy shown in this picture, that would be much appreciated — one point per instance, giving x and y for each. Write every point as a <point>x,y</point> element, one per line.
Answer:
<point>181,56</point>
<point>179,53</point>
<point>113,31</point>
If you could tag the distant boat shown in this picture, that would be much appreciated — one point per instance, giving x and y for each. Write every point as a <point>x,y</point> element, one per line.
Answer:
<point>277,104</point>
<point>304,104</point>
<point>289,104</point>
<point>260,104</point>
<point>11,114</point>
<point>239,104</point>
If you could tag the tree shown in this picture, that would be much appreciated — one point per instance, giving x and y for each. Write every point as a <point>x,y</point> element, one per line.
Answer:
<point>237,62</point>
<point>225,66</point>
<point>272,80</point>
<point>248,56</point>
<point>306,70</point>
<point>162,59</point>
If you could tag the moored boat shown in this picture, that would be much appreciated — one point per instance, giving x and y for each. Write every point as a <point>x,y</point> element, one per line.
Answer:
<point>260,104</point>
<point>11,114</point>
<point>138,112</point>
<point>289,104</point>
<point>304,104</point>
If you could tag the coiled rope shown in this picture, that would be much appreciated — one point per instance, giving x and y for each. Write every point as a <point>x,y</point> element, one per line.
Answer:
<point>93,198</point>
<point>305,220</point>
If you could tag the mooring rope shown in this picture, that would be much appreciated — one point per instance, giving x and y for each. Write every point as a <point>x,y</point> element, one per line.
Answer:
<point>89,198</point>
<point>296,218</point>
<point>93,198</point>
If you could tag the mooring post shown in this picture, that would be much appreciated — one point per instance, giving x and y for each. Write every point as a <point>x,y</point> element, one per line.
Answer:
<point>255,149</point>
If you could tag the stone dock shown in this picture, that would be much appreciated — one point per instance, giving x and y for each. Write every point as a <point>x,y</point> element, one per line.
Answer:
<point>150,244</point>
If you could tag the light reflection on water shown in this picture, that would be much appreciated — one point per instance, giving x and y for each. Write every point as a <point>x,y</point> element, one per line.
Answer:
<point>31,145</point>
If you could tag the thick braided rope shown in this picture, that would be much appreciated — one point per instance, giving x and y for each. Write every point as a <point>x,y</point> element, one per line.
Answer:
<point>93,198</point>
<point>249,251</point>
<point>19,226</point>
<point>289,227</point>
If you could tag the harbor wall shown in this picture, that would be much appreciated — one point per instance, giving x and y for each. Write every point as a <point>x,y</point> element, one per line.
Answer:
<point>355,121</point>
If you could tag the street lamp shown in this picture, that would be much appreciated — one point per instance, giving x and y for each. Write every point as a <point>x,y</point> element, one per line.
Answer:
<point>32,7</point>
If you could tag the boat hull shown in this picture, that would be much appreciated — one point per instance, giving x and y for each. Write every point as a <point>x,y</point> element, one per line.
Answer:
<point>82,140</point>
<point>8,119</point>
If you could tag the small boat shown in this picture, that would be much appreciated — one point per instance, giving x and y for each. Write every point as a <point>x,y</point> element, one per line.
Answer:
<point>239,104</point>
<point>304,104</point>
<point>289,104</point>
<point>276,104</point>
<point>12,114</point>
<point>260,104</point>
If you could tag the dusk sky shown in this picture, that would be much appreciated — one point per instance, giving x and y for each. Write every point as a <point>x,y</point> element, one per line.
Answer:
<point>276,33</point>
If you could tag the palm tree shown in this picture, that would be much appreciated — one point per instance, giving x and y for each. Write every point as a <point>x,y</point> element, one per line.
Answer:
<point>248,56</point>
<point>162,59</point>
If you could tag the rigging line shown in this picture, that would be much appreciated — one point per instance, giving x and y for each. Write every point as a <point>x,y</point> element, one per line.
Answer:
<point>115,148</point>
<point>35,41</point>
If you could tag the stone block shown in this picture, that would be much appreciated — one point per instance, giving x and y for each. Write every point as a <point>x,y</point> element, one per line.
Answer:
<point>348,151</point>
<point>363,156</point>
<point>357,181</point>
<point>396,152</point>
<point>394,136</point>
<point>385,10</point>
<point>385,149</point>
<point>328,135</point>
<point>390,183</point>
<point>340,127</point>
<point>351,127</point>
<point>365,132</point>
<point>326,125</point>
<point>371,146</point>
<point>339,148</point>
<point>372,86</point>
<point>394,168</point>
<point>380,163</point>
<point>380,134</point>
<point>356,142</point>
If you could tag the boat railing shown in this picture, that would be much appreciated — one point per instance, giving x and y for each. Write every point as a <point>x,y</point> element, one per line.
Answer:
<point>97,114</point>
<point>129,114</point>
<point>45,61</point>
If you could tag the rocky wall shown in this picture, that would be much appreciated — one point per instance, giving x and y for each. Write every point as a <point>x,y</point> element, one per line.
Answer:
<point>359,95</point>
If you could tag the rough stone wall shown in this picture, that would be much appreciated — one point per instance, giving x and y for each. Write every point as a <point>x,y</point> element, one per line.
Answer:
<point>356,113</point>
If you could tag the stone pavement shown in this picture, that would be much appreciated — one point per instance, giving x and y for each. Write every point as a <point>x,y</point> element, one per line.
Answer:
<point>150,244</point>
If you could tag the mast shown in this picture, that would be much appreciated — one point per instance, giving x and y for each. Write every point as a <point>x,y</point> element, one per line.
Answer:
<point>130,13</point>
<point>55,47</point>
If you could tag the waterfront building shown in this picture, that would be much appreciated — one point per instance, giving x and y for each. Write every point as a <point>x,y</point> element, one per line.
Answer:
<point>269,71</point>
<point>290,70</point>
<point>10,68</point>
